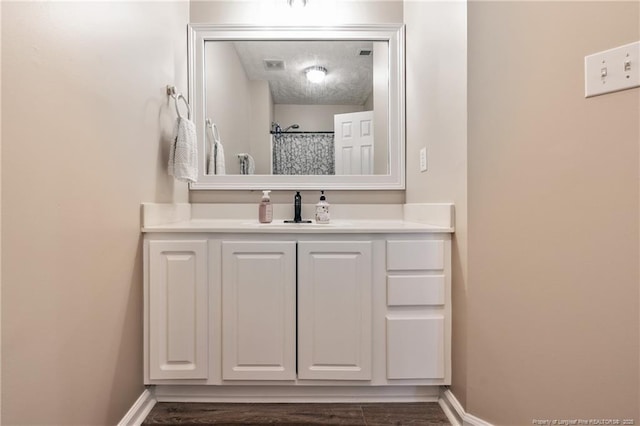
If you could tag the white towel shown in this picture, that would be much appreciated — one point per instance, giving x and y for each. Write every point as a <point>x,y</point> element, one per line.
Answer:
<point>183,155</point>
<point>215,163</point>
<point>247,164</point>
<point>252,165</point>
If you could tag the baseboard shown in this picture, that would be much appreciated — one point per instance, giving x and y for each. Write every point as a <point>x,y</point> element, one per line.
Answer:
<point>139,410</point>
<point>455,413</point>
<point>293,394</point>
<point>454,418</point>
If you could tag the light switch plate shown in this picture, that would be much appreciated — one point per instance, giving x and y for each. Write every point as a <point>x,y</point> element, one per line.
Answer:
<point>423,159</point>
<point>612,70</point>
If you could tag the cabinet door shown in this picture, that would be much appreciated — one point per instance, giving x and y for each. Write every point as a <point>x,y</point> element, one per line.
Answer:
<point>177,310</point>
<point>334,310</point>
<point>415,347</point>
<point>258,310</point>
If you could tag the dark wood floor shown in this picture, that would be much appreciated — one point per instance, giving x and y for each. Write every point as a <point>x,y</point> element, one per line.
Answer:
<point>373,414</point>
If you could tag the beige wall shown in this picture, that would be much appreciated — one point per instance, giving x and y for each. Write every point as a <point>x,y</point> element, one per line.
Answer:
<point>86,126</point>
<point>324,12</point>
<point>240,108</point>
<point>260,124</point>
<point>436,82</point>
<point>228,101</point>
<point>553,216</point>
<point>0,223</point>
<point>311,118</point>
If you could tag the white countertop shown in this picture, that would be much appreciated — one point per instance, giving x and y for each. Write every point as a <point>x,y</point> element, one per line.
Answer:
<point>241,218</point>
<point>279,227</point>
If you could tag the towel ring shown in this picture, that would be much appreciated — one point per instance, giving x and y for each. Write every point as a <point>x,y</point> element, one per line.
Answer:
<point>215,135</point>
<point>180,96</point>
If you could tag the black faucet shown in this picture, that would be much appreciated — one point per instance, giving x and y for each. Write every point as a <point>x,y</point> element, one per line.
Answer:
<point>297,210</point>
<point>297,207</point>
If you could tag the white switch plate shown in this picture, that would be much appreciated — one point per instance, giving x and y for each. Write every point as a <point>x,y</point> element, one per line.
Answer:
<point>612,70</point>
<point>423,159</point>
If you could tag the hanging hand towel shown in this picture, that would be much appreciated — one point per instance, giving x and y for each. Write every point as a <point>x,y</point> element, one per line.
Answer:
<point>252,165</point>
<point>215,163</point>
<point>247,164</point>
<point>220,166</point>
<point>183,155</point>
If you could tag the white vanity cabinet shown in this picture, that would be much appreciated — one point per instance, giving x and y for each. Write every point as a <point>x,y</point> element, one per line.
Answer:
<point>299,310</point>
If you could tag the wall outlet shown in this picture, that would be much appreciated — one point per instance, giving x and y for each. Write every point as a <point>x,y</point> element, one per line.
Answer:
<point>612,70</point>
<point>423,159</point>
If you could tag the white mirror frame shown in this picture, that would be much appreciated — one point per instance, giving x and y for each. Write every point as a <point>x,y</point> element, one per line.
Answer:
<point>392,33</point>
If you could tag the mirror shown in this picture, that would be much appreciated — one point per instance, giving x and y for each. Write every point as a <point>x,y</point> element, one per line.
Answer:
<point>265,121</point>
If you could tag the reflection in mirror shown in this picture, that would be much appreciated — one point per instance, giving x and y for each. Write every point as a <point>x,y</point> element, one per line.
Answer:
<point>292,107</point>
<point>298,107</point>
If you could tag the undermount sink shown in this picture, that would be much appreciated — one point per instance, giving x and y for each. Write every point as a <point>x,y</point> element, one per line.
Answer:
<point>282,224</point>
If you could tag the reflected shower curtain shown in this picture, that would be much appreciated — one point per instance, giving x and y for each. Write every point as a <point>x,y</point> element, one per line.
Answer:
<point>303,154</point>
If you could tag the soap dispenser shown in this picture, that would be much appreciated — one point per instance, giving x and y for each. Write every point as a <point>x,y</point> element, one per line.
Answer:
<point>265,211</point>
<point>322,210</point>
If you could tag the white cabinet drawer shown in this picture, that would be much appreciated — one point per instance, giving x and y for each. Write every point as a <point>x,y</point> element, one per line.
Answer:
<point>415,255</point>
<point>415,290</point>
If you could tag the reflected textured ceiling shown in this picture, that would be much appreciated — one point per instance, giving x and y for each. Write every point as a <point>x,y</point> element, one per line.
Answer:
<point>349,79</point>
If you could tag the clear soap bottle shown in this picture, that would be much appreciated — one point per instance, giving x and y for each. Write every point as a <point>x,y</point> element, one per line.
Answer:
<point>265,211</point>
<point>322,210</point>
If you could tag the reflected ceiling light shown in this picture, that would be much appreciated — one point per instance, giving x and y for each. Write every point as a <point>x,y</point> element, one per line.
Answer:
<point>297,3</point>
<point>316,74</point>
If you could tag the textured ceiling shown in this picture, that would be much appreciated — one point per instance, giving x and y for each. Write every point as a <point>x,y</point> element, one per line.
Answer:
<point>349,79</point>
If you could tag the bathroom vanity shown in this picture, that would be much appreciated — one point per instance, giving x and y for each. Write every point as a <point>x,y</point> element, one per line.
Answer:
<point>352,309</point>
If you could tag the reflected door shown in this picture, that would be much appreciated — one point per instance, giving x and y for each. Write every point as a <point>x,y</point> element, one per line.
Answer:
<point>354,143</point>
